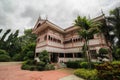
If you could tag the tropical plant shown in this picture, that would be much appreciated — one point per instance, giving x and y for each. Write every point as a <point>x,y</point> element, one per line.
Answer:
<point>87,29</point>
<point>103,54</point>
<point>114,20</point>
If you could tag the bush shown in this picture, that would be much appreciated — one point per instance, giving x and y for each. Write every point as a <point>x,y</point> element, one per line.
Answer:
<point>73,64</point>
<point>108,71</point>
<point>86,74</point>
<point>3,52</point>
<point>25,67</point>
<point>32,67</point>
<point>30,54</point>
<point>40,66</point>
<point>29,65</point>
<point>116,63</point>
<point>103,51</point>
<point>30,62</point>
<point>84,65</point>
<point>117,54</point>
<point>44,56</point>
<point>49,67</point>
<point>4,58</point>
<point>17,57</point>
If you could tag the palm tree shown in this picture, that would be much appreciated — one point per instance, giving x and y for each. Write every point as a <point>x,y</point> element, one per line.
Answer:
<point>87,29</point>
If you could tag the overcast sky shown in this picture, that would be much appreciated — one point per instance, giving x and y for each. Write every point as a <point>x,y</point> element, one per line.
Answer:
<point>23,14</point>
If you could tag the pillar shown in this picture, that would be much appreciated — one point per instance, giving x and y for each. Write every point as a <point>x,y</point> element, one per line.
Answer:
<point>73,55</point>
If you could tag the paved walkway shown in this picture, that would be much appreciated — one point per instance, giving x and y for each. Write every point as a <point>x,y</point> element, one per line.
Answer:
<point>71,77</point>
<point>12,71</point>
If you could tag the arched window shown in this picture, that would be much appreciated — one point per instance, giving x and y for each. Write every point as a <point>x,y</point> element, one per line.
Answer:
<point>49,37</point>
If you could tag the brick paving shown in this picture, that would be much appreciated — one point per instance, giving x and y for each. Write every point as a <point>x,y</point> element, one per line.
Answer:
<point>13,72</point>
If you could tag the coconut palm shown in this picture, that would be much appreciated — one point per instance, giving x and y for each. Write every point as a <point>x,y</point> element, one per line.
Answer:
<point>87,29</point>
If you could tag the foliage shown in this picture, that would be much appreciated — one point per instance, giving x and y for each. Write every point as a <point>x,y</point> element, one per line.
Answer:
<point>80,64</point>
<point>32,64</point>
<point>17,57</point>
<point>117,54</point>
<point>28,51</point>
<point>30,54</point>
<point>87,29</point>
<point>86,74</point>
<point>115,63</point>
<point>49,67</point>
<point>44,56</point>
<point>73,64</point>
<point>102,53</point>
<point>29,65</point>
<point>114,20</point>
<point>85,65</point>
<point>4,58</point>
<point>41,66</point>
<point>11,43</point>
<point>108,71</point>
<point>3,52</point>
<point>27,38</point>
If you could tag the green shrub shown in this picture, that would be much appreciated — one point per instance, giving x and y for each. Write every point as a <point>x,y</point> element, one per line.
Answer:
<point>17,57</point>
<point>109,71</point>
<point>73,64</point>
<point>84,65</point>
<point>30,62</point>
<point>25,67</point>
<point>40,66</point>
<point>25,58</point>
<point>44,56</point>
<point>30,54</point>
<point>116,62</point>
<point>29,65</point>
<point>49,67</point>
<point>103,51</point>
<point>4,58</point>
<point>32,67</point>
<point>86,74</point>
<point>3,52</point>
<point>118,53</point>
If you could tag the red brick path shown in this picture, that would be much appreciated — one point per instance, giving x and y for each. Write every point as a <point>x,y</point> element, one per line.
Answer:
<point>13,72</point>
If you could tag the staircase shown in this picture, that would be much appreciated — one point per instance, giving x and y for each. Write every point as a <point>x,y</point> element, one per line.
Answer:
<point>59,65</point>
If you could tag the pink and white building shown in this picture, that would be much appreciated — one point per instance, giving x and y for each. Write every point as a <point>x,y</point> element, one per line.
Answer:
<point>65,44</point>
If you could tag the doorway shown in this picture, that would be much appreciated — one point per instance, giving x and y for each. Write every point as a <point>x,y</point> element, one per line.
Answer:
<point>54,57</point>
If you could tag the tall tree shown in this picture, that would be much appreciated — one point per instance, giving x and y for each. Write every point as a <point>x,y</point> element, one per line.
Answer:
<point>87,29</point>
<point>2,39</point>
<point>11,43</point>
<point>114,20</point>
<point>28,37</point>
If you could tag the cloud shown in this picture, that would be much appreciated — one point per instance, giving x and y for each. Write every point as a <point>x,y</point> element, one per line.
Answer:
<point>31,13</point>
<point>23,14</point>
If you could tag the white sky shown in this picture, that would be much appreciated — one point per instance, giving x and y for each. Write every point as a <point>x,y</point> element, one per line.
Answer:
<point>23,14</point>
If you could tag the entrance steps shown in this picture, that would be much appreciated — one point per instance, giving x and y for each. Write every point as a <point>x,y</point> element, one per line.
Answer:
<point>59,65</point>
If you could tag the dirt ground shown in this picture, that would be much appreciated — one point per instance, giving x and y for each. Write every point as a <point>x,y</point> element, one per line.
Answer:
<point>12,71</point>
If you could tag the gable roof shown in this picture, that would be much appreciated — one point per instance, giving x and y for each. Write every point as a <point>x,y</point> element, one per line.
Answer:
<point>42,24</point>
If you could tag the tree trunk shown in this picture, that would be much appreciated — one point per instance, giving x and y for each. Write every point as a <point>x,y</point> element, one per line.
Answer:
<point>87,53</point>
